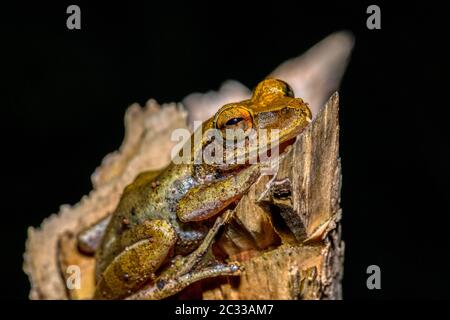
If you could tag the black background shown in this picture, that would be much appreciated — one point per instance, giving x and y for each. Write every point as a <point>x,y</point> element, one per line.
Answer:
<point>65,93</point>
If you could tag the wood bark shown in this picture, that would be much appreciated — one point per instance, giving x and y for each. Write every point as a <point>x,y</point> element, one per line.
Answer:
<point>286,231</point>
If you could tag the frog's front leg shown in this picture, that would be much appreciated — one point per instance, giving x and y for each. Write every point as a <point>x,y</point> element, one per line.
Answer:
<point>205,201</point>
<point>186,264</point>
<point>187,270</point>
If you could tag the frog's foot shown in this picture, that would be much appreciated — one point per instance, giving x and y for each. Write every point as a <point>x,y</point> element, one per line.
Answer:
<point>89,239</point>
<point>164,288</point>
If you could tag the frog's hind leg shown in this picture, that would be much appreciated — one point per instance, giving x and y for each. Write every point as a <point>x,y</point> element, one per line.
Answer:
<point>138,262</point>
<point>165,288</point>
<point>90,238</point>
<point>187,270</point>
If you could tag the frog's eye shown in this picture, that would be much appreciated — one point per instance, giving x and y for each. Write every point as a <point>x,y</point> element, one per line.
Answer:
<point>233,118</point>
<point>233,121</point>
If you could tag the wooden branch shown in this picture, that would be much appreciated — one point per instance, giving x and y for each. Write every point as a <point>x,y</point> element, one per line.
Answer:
<point>285,233</point>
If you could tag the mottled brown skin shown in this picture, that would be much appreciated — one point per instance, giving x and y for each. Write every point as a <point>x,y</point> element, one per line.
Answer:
<point>164,224</point>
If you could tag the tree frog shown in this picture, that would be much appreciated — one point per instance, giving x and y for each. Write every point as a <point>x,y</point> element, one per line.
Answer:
<point>158,240</point>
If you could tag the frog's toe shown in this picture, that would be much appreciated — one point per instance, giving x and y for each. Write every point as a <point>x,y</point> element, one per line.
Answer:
<point>236,267</point>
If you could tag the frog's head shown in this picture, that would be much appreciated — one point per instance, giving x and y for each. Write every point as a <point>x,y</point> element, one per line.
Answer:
<point>272,106</point>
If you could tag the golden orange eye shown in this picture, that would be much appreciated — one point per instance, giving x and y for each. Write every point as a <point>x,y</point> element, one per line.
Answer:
<point>234,118</point>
